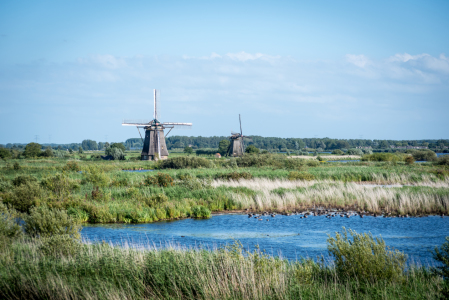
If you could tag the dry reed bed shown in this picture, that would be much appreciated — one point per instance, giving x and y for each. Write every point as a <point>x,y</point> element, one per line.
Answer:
<point>334,194</point>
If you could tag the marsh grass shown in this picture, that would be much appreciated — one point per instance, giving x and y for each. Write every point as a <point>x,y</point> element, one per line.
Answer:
<point>103,271</point>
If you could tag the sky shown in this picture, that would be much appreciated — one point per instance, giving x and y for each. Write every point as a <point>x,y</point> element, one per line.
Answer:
<point>73,70</point>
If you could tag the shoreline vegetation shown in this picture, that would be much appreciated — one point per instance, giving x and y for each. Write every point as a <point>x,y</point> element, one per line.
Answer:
<point>44,202</point>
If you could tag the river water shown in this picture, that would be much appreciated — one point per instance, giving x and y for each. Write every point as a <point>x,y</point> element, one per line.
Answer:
<point>288,236</point>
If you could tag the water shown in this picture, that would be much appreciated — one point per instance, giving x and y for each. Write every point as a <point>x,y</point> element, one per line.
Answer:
<point>289,236</point>
<point>441,154</point>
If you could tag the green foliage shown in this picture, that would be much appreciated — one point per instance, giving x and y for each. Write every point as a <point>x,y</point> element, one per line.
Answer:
<point>116,152</point>
<point>23,179</point>
<point>9,229</point>
<point>5,153</point>
<point>95,176</point>
<point>200,212</point>
<point>156,200</point>
<point>319,158</point>
<point>443,160</point>
<point>32,150</point>
<point>60,184</point>
<point>252,149</point>
<point>45,222</point>
<point>80,150</point>
<point>294,175</point>
<point>442,256</point>
<point>24,196</point>
<point>426,155</point>
<point>72,166</point>
<point>184,162</point>
<point>47,153</point>
<point>118,146</point>
<point>16,166</point>
<point>160,179</point>
<point>409,160</point>
<point>223,147</point>
<point>383,157</point>
<point>364,257</point>
<point>235,176</point>
<point>269,160</point>
<point>355,152</point>
<point>60,245</point>
<point>188,150</point>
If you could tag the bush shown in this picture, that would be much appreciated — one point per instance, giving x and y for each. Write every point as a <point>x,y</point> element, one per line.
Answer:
<point>443,160</point>
<point>45,222</point>
<point>32,150</point>
<point>409,160</point>
<point>200,212</point>
<point>115,152</point>
<point>72,166</point>
<point>24,197</point>
<point>60,245</point>
<point>365,258</point>
<point>59,184</point>
<point>424,155</point>
<point>16,166</point>
<point>161,179</point>
<point>95,176</point>
<point>300,176</point>
<point>355,152</point>
<point>383,157</point>
<point>337,152</point>
<point>5,153</point>
<point>442,256</point>
<point>9,229</point>
<point>184,162</point>
<point>235,176</point>
<point>156,200</point>
<point>23,179</point>
<point>252,149</point>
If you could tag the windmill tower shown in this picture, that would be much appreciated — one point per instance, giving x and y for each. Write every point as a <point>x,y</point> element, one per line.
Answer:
<point>237,146</point>
<point>154,147</point>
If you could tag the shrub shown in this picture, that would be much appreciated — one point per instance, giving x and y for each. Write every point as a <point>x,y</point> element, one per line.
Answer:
<point>235,176</point>
<point>23,179</point>
<point>382,157</point>
<point>355,152</point>
<point>60,245</point>
<point>156,200</point>
<point>184,162</point>
<point>45,222</point>
<point>409,160</point>
<point>319,158</point>
<point>115,152</point>
<point>200,212</point>
<point>252,149</point>
<point>60,184</point>
<point>32,150</point>
<point>95,176</point>
<point>365,258</point>
<point>120,182</point>
<point>5,153</point>
<point>72,166</point>
<point>9,229</point>
<point>5,184</point>
<point>161,179</point>
<point>78,214</point>
<point>16,166</point>
<point>25,196</point>
<point>426,155</point>
<point>300,176</point>
<point>442,256</point>
<point>443,160</point>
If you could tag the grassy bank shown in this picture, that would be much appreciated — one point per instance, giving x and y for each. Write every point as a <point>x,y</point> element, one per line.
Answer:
<point>34,269</point>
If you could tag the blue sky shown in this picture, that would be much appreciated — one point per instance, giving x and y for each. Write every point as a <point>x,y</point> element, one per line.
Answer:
<point>73,70</point>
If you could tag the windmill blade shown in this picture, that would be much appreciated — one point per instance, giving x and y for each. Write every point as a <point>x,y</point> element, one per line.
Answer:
<point>240,120</point>
<point>174,125</point>
<point>137,123</point>
<point>157,104</point>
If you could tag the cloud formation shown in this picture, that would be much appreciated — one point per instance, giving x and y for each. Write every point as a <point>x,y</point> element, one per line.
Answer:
<point>101,90</point>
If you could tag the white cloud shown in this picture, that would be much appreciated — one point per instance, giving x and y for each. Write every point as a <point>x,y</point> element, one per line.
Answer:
<point>358,60</point>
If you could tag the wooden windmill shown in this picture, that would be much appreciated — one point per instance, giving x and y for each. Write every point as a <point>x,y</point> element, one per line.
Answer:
<point>237,145</point>
<point>154,147</point>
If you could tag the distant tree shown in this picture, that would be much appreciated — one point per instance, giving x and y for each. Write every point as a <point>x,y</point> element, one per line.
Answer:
<point>119,145</point>
<point>106,145</point>
<point>80,149</point>
<point>252,149</point>
<point>223,146</point>
<point>32,150</point>
<point>89,145</point>
<point>384,145</point>
<point>116,153</point>
<point>337,152</point>
<point>48,152</point>
<point>188,150</point>
<point>5,153</point>
<point>70,151</point>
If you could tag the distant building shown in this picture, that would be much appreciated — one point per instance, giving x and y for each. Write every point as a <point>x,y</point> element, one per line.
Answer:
<point>217,155</point>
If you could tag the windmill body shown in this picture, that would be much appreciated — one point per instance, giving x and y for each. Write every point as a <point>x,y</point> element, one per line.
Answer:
<point>237,145</point>
<point>154,147</point>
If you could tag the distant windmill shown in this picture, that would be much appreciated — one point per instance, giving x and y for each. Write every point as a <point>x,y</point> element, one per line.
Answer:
<point>237,146</point>
<point>154,146</point>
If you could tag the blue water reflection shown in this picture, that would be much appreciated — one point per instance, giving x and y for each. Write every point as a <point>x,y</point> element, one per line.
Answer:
<point>287,235</point>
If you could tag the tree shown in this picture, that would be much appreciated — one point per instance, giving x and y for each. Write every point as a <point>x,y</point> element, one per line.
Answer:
<point>48,152</point>
<point>32,150</point>
<point>252,149</point>
<point>188,150</point>
<point>384,145</point>
<point>119,146</point>
<point>223,146</point>
<point>4,153</point>
<point>89,145</point>
<point>80,149</point>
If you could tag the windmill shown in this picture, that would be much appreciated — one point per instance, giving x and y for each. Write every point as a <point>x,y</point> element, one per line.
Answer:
<point>154,147</point>
<point>237,146</point>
